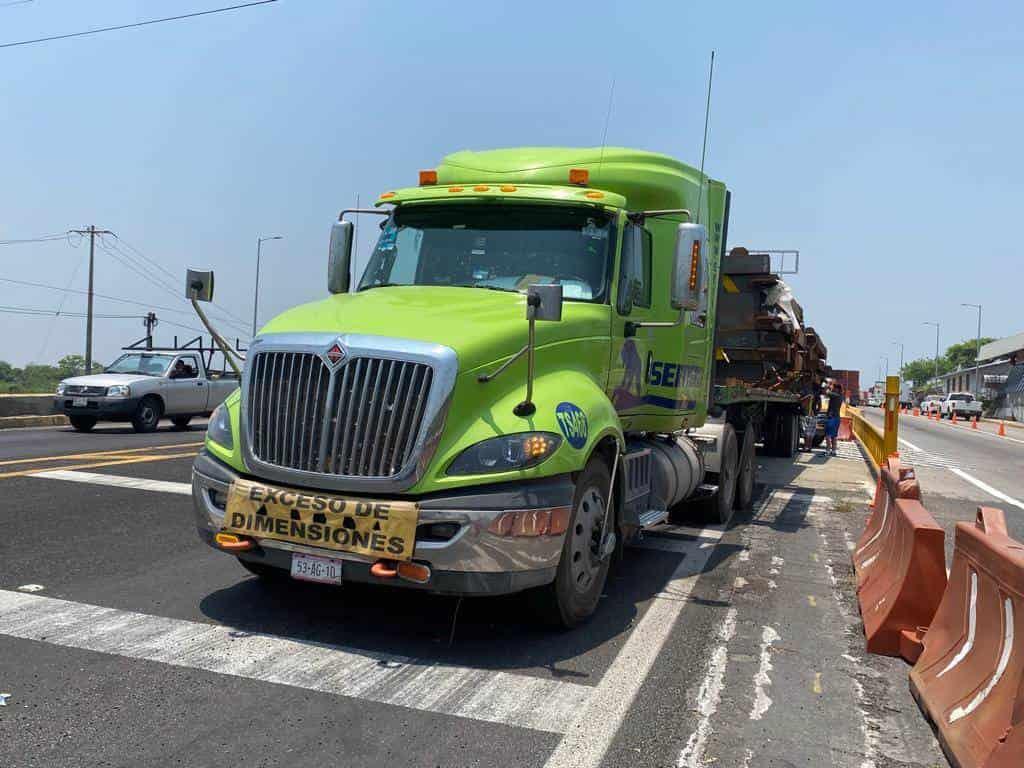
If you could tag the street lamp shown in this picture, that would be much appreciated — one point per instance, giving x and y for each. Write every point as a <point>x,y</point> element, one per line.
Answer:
<point>886,358</point>
<point>928,322</point>
<point>977,353</point>
<point>256,296</point>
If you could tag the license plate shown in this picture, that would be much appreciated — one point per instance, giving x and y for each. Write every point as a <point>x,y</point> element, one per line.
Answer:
<point>325,570</point>
<point>79,402</point>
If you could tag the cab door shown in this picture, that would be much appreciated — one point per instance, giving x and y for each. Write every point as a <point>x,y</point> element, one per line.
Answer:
<point>185,391</point>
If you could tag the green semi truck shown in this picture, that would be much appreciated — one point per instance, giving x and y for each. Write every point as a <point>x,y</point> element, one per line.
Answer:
<point>520,381</point>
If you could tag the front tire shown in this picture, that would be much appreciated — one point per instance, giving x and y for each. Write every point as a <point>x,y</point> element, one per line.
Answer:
<point>82,423</point>
<point>181,422</point>
<point>720,511</point>
<point>572,597</point>
<point>147,415</point>
<point>747,471</point>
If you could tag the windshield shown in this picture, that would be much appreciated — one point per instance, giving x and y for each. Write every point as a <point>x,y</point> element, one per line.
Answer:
<point>962,398</point>
<point>496,246</point>
<point>146,364</point>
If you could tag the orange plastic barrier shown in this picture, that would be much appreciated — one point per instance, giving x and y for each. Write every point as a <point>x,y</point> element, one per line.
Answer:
<point>970,678</point>
<point>845,428</point>
<point>879,525</point>
<point>902,584</point>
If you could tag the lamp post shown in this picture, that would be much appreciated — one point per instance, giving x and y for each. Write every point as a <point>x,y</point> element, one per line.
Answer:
<point>886,358</point>
<point>256,295</point>
<point>977,352</point>
<point>928,322</point>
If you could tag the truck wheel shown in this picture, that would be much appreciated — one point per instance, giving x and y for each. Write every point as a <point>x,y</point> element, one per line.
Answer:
<point>789,434</point>
<point>573,596</point>
<point>181,422</point>
<point>82,423</point>
<point>746,471</point>
<point>147,415</point>
<point>718,509</point>
<point>264,571</point>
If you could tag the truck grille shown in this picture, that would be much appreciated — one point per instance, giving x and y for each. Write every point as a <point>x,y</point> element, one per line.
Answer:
<point>75,389</point>
<point>358,420</point>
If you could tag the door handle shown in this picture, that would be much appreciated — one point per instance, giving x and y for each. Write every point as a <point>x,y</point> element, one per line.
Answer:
<point>199,383</point>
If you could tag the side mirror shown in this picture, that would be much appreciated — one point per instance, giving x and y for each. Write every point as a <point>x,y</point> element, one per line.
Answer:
<point>544,302</point>
<point>199,285</point>
<point>688,270</point>
<point>339,258</point>
<point>627,295</point>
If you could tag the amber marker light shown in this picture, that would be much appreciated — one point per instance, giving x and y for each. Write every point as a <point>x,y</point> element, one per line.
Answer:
<point>233,543</point>
<point>694,261</point>
<point>427,178</point>
<point>594,195</point>
<point>386,195</point>
<point>580,176</point>
<point>415,572</point>
<point>481,188</point>
<point>507,188</point>
<point>455,189</point>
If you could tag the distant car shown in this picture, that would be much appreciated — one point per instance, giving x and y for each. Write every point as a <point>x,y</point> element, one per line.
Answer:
<point>143,387</point>
<point>875,400</point>
<point>931,404</point>
<point>962,404</point>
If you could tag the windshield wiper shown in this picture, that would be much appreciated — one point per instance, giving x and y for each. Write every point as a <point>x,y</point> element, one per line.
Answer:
<point>485,287</point>
<point>377,285</point>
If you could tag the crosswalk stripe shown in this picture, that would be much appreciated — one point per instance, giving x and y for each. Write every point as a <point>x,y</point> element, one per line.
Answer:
<point>117,481</point>
<point>478,694</point>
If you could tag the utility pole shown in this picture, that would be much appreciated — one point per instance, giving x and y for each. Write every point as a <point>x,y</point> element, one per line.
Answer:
<point>900,345</point>
<point>977,353</point>
<point>150,322</point>
<point>927,322</point>
<point>91,232</point>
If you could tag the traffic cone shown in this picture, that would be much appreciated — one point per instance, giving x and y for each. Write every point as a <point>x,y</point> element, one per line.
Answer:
<point>1002,429</point>
<point>953,417</point>
<point>974,423</point>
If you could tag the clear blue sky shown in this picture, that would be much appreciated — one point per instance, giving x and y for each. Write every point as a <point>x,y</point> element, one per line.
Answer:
<point>882,140</point>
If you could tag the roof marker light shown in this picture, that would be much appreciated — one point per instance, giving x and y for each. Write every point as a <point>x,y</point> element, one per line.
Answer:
<point>594,195</point>
<point>428,177</point>
<point>386,195</point>
<point>454,189</point>
<point>481,188</point>
<point>507,188</point>
<point>580,176</point>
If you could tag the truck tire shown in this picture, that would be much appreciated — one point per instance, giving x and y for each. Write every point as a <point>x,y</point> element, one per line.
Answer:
<point>572,597</point>
<point>181,422</point>
<point>789,435</point>
<point>746,472</point>
<point>147,415</point>
<point>718,509</point>
<point>82,423</point>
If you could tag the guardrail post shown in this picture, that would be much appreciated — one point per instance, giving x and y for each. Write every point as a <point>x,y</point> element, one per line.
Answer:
<point>892,414</point>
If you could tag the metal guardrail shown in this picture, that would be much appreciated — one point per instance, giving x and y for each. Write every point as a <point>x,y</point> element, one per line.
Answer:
<point>868,435</point>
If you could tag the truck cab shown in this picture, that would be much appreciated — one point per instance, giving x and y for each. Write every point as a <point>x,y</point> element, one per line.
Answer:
<point>518,381</point>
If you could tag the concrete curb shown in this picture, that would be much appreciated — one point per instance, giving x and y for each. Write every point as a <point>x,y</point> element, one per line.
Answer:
<point>16,422</point>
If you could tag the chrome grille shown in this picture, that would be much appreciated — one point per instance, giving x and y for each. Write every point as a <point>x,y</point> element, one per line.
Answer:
<point>76,389</point>
<point>358,420</point>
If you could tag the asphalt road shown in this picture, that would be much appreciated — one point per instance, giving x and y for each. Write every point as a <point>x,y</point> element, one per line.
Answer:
<point>124,641</point>
<point>961,468</point>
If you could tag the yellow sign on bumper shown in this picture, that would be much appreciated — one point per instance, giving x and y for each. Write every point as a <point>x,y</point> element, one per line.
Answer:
<point>364,526</point>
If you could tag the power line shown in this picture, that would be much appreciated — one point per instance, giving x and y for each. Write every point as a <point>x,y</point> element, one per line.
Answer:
<point>40,239</point>
<point>136,24</point>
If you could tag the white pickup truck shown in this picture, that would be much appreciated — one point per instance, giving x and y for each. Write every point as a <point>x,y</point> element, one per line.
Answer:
<point>962,404</point>
<point>142,387</point>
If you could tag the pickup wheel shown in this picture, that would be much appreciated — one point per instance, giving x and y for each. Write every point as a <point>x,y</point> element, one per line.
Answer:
<point>746,471</point>
<point>147,415</point>
<point>181,422</point>
<point>82,423</point>
<point>572,597</point>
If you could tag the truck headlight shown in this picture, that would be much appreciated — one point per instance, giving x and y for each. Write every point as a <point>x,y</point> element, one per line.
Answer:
<point>61,388</point>
<point>505,453</point>
<point>219,429</point>
<point>118,390</point>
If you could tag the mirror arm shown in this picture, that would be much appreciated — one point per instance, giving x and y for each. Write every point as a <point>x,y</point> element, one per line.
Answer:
<point>483,378</point>
<point>374,211</point>
<point>637,217</point>
<point>527,408</point>
<point>229,354</point>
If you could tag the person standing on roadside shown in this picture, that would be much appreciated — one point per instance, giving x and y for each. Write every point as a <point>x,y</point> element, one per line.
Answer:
<point>835,404</point>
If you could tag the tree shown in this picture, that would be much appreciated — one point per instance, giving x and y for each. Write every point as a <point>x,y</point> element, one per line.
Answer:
<point>962,355</point>
<point>920,371</point>
<point>8,372</point>
<point>71,365</point>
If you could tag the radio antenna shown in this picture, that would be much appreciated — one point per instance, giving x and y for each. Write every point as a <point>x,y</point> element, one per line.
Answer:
<point>704,147</point>
<point>607,120</point>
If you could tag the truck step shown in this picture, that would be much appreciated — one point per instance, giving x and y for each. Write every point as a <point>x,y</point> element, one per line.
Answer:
<point>653,517</point>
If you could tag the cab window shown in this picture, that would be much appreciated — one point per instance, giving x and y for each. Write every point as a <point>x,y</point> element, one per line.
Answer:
<point>184,368</point>
<point>637,245</point>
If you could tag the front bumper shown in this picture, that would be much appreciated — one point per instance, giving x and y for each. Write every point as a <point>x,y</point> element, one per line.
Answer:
<point>475,561</point>
<point>105,408</point>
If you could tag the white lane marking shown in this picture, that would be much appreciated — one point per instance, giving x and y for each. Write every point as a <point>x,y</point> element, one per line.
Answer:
<point>986,487</point>
<point>1004,660</point>
<point>31,588</point>
<point>709,695</point>
<point>981,432</point>
<point>3,699</point>
<point>972,622</point>
<point>118,481</point>
<point>419,684</point>
<point>762,701</point>
<point>777,563</point>
<point>911,446</point>
<point>591,730</point>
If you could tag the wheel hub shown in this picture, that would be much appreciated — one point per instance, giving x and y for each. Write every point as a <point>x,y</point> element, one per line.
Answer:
<point>585,548</point>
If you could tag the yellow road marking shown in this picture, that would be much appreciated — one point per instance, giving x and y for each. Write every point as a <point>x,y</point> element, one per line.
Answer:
<point>99,454</point>
<point>91,465</point>
<point>812,601</point>
<point>816,685</point>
